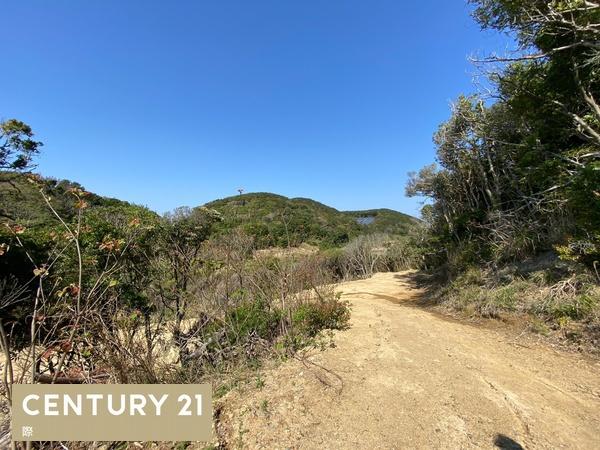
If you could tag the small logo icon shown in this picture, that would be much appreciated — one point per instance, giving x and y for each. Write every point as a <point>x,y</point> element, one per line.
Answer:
<point>27,432</point>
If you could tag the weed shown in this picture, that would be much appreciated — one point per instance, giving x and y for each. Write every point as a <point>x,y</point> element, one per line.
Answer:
<point>264,407</point>
<point>182,445</point>
<point>539,327</point>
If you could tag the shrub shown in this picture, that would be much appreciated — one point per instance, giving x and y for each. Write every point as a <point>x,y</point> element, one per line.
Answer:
<point>252,318</point>
<point>311,318</point>
<point>575,307</point>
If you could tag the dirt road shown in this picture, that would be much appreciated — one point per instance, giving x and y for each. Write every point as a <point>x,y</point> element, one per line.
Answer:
<point>403,377</point>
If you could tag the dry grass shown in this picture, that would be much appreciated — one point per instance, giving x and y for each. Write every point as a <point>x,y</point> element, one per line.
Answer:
<point>569,307</point>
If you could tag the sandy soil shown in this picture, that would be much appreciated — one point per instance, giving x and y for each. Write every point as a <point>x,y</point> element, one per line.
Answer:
<point>403,377</point>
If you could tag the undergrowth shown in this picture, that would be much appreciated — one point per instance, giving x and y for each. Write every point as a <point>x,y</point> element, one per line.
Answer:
<point>566,301</point>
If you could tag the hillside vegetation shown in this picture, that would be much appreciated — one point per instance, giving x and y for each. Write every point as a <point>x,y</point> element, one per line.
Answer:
<point>518,173</point>
<point>384,221</point>
<point>97,289</point>
<point>22,205</point>
<point>272,220</point>
<point>21,199</point>
<point>278,221</point>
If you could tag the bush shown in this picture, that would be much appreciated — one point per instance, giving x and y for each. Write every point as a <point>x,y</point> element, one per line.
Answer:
<point>311,318</point>
<point>575,307</point>
<point>252,318</point>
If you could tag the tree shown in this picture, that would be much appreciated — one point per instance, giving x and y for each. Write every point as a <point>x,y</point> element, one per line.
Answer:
<point>552,84</point>
<point>563,36</point>
<point>17,148</point>
<point>522,173</point>
<point>184,234</point>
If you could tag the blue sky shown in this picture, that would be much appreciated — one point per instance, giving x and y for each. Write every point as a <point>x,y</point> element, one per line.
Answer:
<point>178,103</point>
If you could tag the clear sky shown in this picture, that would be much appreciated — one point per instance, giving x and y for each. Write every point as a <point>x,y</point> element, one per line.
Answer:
<point>178,103</point>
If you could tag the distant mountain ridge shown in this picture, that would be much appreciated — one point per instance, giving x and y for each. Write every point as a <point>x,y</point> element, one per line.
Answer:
<point>276,220</point>
<point>273,220</point>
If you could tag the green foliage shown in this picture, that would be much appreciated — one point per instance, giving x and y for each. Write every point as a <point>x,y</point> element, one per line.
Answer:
<point>111,235</point>
<point>255,326</point>
<point>576,308</point>
<point>553,298</point>
<point>520,175</point>
<point>471,276</point>
<point>17,148</point>
<point>540,23</point>
<point>138,269</point>
<point>333,262</point>
<point>384,221</point>
<point>252,318</point>
<point>277,221</point>
<point>21,201</point>
<point>311,318</point>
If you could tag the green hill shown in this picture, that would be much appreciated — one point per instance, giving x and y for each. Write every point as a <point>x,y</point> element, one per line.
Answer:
<point>22,202</point>
<point>383,220</point>
<point>274,220</point>
<point>279,221</point>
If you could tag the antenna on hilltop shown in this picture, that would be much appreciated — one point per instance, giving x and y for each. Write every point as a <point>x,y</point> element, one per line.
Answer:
<point>242,200</point>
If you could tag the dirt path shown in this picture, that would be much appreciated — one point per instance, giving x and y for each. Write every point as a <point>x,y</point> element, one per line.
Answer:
<point>403,377</point>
